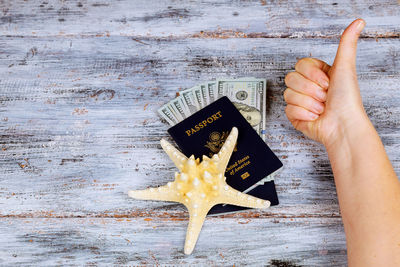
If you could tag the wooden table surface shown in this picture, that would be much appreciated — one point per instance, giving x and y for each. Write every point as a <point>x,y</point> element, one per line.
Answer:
<point>79,88</point>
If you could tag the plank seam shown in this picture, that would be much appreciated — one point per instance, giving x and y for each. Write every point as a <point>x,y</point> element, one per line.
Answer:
<point>212,35</point>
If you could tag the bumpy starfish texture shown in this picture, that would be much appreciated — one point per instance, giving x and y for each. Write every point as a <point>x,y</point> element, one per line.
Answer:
<point>200,186</point>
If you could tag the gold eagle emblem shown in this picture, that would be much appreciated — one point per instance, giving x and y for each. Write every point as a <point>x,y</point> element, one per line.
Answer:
<point>216,141</point>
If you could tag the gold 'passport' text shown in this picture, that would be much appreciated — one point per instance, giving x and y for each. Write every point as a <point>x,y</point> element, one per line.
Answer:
<point>204,123</point>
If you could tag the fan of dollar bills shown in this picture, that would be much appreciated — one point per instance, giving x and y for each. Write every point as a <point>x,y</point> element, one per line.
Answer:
<point>247,94</point>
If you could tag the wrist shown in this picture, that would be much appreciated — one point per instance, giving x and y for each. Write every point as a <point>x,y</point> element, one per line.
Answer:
<point>348,130</point>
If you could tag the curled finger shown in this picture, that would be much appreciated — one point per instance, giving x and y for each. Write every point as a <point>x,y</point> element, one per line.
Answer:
<point>304,101</point>
<point>315,70</point>
<point>294,112</point>
<point>301,84</point>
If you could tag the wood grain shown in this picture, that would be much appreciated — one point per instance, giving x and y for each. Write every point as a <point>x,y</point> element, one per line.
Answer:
<point>203,19</point>
<point>81,82</point>
<point>83,123</point>
<point>159,242</point>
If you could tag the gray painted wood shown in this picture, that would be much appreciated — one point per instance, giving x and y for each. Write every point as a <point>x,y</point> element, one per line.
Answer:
<point>209,19</point>
<point>147,241</point>
<point>79,88</point>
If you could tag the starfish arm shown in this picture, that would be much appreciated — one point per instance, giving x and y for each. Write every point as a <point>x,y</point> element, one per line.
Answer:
<point>235,197</point>
<point>225,153</point>
<point>174,154</point>
<point>196,220</point>
<point>163,193</point>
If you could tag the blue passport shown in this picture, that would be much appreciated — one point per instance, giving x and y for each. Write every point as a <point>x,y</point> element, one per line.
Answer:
<point>204,133</point>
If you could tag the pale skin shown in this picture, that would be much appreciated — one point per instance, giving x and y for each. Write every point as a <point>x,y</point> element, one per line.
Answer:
<point>324,103</point>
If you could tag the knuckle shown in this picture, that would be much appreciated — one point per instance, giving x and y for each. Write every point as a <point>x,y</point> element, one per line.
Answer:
<point>289,77</point>
<point>309,103</point>
<point>290,111</point>
<point>305,102</point>
<point>308,87</point>
<point>285,94</point>
<point>304,87</point>
<point>315,76</point>
<point>301,62</point>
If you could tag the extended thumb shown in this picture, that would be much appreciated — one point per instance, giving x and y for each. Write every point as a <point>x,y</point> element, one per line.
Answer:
<point>346,53</point>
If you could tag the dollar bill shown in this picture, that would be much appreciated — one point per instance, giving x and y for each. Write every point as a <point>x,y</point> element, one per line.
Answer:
<point>204,92</point>
<point>219,91</point>
<point>198,96</point>
<point>178,105</point>
<point>189,100</point>
<point>249,97</point>
<point>247,94</point>
<point>167,114</point>
<point>185,107</point>
<point>212,91</point>
<point>175,111</point>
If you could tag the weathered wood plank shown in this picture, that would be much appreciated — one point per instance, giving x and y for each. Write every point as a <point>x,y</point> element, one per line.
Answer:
<point>215,19</point>
<point>80,83</point>
<point>138,241</point>
<point>79,126</point>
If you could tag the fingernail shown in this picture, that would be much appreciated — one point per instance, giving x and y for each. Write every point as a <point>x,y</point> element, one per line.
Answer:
<point>319,107</point>
<point>313,116</point>
<point>321,95</point>
<point>324,83</point>
<point>360,25</point>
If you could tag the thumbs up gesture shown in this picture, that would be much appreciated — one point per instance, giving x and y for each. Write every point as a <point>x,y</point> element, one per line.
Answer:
<point>324,101</point>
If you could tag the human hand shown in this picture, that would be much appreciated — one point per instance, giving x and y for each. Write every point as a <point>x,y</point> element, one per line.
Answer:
<point>323,101</point>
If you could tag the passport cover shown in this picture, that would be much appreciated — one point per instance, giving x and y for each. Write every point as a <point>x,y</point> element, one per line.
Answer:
<point>204,133</point>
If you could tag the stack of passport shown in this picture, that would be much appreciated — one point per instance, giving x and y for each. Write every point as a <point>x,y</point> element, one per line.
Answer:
<point>204,133</point>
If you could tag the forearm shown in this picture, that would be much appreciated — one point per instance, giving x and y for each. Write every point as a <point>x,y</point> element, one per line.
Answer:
<point>369,194</point>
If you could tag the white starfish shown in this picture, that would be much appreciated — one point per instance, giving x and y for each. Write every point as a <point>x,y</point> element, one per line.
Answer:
<point>200,186</point>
